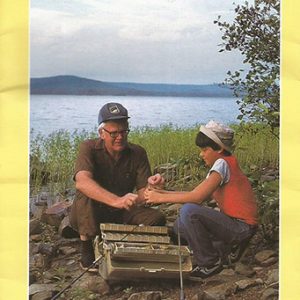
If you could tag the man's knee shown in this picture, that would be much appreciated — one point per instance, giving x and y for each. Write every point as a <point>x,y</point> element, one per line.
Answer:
<point>154,217</point>
<point>159,219</point>
<point>145,216</point>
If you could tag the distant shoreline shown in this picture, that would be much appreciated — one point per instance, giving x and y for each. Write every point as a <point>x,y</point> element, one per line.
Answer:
<point>73,85</point>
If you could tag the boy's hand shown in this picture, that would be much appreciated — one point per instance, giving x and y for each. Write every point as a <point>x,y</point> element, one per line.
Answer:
<point>151,196</point>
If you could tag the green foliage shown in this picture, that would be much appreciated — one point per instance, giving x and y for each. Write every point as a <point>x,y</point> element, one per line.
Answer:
<point>268,208</point>
<point>52,159</point>
<point>256,148</point>
<point>255,145</point>
<point>255,32</point>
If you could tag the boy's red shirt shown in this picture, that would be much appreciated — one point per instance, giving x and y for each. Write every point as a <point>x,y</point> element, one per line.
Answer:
<point>236,198</point>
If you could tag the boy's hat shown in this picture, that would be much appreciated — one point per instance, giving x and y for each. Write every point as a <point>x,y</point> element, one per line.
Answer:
<point>112,111</point>
<point>219,133</point>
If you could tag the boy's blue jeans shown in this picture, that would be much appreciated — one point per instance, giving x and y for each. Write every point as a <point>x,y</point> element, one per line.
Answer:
<point>210,233</point>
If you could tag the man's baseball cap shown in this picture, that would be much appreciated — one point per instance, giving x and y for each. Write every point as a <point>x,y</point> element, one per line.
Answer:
<point>112,111</point>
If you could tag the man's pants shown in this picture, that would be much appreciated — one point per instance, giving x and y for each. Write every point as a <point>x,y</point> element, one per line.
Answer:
<point>87,214</point>
<point>210,233</point>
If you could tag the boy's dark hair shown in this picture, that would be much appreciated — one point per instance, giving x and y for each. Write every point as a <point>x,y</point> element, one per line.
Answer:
<point>203,141</point>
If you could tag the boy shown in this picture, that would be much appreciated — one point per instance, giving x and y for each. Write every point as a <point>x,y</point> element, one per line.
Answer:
<point>203,227</point>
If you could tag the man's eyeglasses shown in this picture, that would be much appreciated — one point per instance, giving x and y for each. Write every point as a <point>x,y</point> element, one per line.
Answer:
<point>114,134</point>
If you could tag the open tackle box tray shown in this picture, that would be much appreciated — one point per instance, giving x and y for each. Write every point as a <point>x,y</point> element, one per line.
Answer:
<point>131,251</point>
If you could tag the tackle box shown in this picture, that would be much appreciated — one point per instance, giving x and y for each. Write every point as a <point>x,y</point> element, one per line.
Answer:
<point>132,251</point>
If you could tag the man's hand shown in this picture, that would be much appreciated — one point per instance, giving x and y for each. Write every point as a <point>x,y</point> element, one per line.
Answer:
<point>156,181</point>
<point>126,202</point>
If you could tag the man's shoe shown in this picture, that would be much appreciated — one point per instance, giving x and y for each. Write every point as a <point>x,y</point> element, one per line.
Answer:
<point>198,273</point>
<point>90,268</point>
<point>87,263</point>
<point>88,257</point>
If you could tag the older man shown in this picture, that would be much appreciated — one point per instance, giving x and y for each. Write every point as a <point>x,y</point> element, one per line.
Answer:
<point>108,171</point>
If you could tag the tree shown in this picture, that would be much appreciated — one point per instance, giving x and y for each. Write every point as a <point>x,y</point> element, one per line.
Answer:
<point>255,32</point>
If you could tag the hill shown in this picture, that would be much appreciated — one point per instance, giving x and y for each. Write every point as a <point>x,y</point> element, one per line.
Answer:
<point>73,85</point>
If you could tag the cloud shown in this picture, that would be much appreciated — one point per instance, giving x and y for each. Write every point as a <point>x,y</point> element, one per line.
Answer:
<point>129,40</point>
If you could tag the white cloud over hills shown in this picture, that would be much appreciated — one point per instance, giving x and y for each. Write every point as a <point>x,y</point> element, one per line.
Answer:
<point>130,40</point>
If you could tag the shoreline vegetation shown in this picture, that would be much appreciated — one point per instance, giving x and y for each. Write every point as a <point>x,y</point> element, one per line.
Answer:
<point>171,151</point>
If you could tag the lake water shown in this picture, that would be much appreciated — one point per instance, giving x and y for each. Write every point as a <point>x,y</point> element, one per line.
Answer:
<point>49,113</point>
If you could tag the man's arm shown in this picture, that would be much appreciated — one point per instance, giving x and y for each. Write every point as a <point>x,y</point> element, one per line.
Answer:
<point>85,183</point>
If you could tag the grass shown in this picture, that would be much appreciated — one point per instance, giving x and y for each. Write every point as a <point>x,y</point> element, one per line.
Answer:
<point>52,160</point>
<point>52,157</point>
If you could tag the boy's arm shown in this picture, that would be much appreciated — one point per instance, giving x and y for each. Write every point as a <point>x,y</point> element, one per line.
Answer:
<point>202,192</point>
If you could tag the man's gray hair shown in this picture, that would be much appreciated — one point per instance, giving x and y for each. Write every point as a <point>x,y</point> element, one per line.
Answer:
<point>103,124</point>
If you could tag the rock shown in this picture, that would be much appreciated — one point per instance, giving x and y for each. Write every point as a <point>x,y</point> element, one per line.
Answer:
<point>99,286</point>
<point>36,237</point>
<point>33,248</point>
<point>66,250</point>
<point>267,178</point>
<point>246,283</point>
<point>70,262</point>
<point>269,294</point>
<point>155,295</point>
<point>227,272</point>
<point>65,230</point>
<point>270,261</point>
<point>55,214</point>
<point>32,277</point>
<point>258,269</point>
<point>47,249</point>
<point>273,276</point>
<point>264,255</point>
<point>38,288</point>
<point>35,227</point>
<point>39,211</point>
<point>174,207</point>
<point>46,295</point>
<point>244,270</point>
<point>95,284</point>
<point>198,296</point>
<point>53,220</point>
<point>37,261</point>
<point>48,275</point>
<point>218,292</point>
<point>44,196</point>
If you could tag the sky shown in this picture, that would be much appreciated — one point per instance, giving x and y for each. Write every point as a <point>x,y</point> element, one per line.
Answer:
<point>145,41</point>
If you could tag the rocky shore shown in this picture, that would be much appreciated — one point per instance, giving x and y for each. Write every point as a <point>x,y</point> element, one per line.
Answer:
<point>54,257</point>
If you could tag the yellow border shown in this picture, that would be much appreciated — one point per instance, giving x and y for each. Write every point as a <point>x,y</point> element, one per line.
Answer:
<point>13,149</point>
<point>290,142</point>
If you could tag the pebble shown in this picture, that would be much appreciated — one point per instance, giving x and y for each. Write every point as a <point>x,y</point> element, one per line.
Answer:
<point>273,276</point>
<point>264,255</point>
<point>150,295</point>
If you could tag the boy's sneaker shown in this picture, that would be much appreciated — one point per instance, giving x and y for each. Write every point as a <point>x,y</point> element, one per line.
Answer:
<point>198,273</point>
<point>237,251</point>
